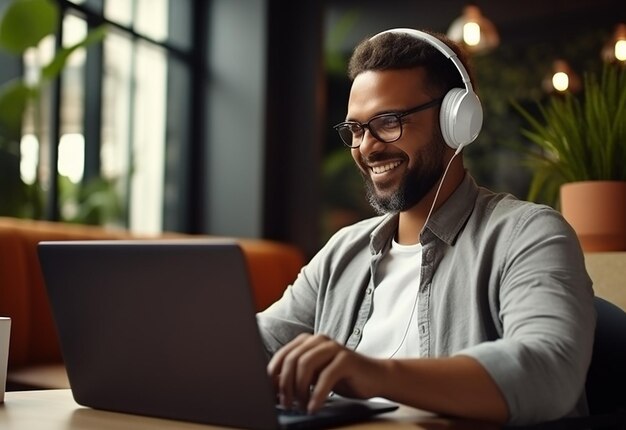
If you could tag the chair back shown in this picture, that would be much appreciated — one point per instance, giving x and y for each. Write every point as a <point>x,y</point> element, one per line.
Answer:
<point>606,379</point>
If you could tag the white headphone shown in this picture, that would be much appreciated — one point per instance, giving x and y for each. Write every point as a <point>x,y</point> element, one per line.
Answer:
<point>461,114</point>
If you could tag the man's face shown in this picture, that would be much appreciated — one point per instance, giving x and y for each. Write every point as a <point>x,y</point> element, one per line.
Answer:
<point>399,174</point>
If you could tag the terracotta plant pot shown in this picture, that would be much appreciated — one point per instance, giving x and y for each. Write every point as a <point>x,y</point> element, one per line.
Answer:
<point>597,212</point>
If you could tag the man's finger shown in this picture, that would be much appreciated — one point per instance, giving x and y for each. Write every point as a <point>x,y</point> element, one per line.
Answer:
<point>282,371</point>
<point>333,372</point>
<point>275,364</point>
<point>310,363</point>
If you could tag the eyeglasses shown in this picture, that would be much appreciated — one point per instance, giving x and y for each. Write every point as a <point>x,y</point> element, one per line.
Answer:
<point>386,127</point>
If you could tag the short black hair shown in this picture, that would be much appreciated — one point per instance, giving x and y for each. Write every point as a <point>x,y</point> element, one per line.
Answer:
<point>391,51</point>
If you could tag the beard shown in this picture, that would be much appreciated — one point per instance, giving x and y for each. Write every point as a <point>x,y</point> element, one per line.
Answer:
<point>417,181</point>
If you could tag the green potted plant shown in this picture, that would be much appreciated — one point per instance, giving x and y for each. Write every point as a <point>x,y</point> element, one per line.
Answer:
<point>23,24</point>
<point>579,158</point>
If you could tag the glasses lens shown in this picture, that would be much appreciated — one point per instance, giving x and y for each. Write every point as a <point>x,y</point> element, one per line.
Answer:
<point>386,128</point>
<point>351,134</point>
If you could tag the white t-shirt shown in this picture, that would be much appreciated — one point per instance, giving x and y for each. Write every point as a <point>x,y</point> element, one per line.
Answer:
<point>392,331</point>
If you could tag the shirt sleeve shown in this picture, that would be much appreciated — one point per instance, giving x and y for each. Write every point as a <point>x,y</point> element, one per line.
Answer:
<point>295,312</point>
<point>548,318</point>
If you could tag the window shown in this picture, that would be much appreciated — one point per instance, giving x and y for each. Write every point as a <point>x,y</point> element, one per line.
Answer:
<point>109,119</point>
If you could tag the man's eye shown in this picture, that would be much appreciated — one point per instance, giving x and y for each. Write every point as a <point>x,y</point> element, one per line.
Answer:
<point>355,128</point>
<point>387,122</point>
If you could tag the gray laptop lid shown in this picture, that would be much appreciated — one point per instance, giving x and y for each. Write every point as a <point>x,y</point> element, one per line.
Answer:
<point>164,329</point>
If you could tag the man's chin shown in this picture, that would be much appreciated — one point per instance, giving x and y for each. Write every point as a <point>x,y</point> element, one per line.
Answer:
<point>384,203</point>
<point>384,189</point>
<point>384,197</point>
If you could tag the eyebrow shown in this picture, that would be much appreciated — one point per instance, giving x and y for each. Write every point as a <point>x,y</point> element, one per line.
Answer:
<point>385,112</point>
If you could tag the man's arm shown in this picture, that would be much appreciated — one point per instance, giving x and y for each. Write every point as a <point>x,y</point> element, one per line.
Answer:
<point>456,385</point>
<point>326,293</point>
<point>545,305</point>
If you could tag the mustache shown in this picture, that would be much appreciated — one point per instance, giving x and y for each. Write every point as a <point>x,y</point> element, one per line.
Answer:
<point>381,157</point>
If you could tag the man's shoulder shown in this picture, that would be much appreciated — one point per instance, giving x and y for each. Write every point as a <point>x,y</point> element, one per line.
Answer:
<point>504,209</point>
<point>506,204</point>
<point>360,229</point>
<point>349,242</point>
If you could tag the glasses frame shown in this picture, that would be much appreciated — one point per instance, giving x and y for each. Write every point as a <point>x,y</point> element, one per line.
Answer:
<point>397,115</point>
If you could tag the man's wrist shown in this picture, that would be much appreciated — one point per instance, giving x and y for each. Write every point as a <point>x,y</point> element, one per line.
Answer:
<point>387,376</point>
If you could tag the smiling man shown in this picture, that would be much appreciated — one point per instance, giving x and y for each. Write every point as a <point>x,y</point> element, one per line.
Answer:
<point>455,299</point>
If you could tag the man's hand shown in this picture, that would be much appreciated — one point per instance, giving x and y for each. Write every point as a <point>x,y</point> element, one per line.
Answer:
<point>308,368</point>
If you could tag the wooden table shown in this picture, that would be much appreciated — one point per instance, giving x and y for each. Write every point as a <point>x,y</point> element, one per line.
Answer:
<point>57,410</point>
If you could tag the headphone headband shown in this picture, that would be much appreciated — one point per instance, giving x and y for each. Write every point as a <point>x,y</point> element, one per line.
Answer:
<point>437,44</point>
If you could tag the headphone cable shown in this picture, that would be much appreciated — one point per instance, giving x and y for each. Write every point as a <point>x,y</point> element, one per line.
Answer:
<point>443,177</point>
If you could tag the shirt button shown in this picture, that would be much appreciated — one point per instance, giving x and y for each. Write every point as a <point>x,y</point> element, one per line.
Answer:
<point>357,332</point>
<point>428,256</point>
<point>368,291</point>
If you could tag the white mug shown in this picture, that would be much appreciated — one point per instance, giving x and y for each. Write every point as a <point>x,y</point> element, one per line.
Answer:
<point>5,332</point>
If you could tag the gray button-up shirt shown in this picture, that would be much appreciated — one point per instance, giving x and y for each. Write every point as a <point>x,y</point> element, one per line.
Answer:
<point>502,281</point>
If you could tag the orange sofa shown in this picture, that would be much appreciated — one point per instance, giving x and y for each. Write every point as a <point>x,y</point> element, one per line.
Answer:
<point>35,360</point>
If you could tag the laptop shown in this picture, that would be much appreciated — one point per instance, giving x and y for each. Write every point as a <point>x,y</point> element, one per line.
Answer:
<point>168,329</point>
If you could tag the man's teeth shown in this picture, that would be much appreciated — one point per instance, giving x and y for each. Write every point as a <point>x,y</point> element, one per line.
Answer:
<point>385,167</point>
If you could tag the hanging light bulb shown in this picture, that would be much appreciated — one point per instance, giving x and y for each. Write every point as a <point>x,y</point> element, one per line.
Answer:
<point>620,50</point>
<point>471,33</point>
<point>474,30</point>
<point>615,48</point>
<point>561,79</point>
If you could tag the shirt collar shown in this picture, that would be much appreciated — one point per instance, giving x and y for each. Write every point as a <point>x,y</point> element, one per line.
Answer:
<point>445,223</point>
<point>384,232</point>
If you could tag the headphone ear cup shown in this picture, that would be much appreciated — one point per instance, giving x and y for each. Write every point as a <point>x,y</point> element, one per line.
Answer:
<point>461,117</point>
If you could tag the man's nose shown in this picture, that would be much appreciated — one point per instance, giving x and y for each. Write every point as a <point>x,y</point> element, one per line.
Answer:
<point>370,144</point>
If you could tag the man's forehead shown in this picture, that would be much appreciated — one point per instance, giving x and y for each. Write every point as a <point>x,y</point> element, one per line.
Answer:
<point>378,91</point>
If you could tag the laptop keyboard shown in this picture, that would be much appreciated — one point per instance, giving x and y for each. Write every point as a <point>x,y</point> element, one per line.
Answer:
<point>332,405</point>
<point>337,411</point>
<point>281,410</point>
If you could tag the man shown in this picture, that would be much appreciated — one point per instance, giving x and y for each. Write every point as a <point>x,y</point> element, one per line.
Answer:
<point>455,300</point>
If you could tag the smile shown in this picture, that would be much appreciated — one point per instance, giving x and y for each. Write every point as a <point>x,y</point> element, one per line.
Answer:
<point>385,167</point>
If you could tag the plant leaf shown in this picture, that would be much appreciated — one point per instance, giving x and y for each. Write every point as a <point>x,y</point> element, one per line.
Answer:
<point>26,22</point>
<point>580,138</point>
<point>53,69</point>
<point>14,97</point>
